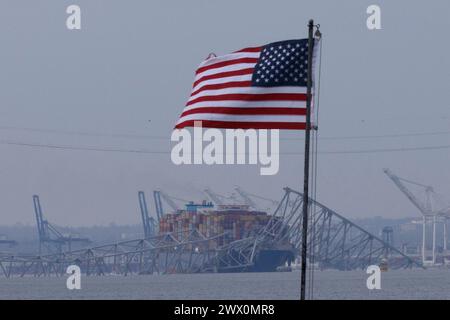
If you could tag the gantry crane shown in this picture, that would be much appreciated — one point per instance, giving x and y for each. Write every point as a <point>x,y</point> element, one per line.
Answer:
<point>148,222</point>
<point>49,236</point>
<point>219,199</point>
<point>246,197</point>
<point>216,198</point>
<point>158,195</point>
<point>429,213</point>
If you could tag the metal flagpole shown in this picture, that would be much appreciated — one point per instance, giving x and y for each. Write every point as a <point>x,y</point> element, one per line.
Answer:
<point>306,168</point>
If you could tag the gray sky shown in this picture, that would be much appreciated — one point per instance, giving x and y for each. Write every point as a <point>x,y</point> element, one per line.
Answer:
<point>133,61</point>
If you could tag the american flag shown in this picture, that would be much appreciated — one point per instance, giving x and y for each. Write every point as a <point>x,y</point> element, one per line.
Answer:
<point>253,88</point>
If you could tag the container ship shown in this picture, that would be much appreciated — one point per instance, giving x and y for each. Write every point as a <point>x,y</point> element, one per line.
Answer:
<point>226,223</point>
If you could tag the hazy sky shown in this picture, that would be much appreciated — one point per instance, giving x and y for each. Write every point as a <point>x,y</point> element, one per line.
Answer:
<point>133,61</point>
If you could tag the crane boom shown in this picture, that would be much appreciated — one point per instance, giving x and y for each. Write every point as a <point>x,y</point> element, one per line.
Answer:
<point>213,196</point>
<point>244,195</point>
<point>169,200</point>
<point>416,202</point>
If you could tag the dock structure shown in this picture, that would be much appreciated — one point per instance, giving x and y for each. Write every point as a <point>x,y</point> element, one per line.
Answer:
<point>5,241</point>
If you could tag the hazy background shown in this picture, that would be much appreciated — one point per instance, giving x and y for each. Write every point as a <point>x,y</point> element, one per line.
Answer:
<point>133,61</point>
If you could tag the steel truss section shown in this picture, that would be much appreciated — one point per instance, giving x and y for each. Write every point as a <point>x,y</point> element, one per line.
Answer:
<point>163,254</point>
<point>333,241</point>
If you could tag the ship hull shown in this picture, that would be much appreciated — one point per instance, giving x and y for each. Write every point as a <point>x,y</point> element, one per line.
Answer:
<point>267,260</point>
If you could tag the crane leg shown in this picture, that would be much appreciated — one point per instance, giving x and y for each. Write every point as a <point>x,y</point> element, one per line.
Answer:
<point>434,239</point>
<point>423,239</point>
<point>445,236</point>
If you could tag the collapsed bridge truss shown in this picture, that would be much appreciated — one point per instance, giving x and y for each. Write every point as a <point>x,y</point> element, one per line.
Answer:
<point>334,242</point>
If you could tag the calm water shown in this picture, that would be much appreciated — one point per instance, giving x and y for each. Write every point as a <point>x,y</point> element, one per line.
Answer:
<point>404,284</point>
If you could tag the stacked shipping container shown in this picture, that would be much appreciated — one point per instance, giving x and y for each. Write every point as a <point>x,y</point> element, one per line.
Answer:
<point>236,221</point>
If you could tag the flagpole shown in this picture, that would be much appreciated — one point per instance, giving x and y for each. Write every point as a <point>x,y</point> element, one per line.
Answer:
<point>306,166</point>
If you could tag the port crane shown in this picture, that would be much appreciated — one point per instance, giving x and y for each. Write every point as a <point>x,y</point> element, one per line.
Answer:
<point>148,222</point>
<point>49,236</point>
<point>429,213</point>
<point>246,197</point>
<point>160,195</point>
<point>219,199</point>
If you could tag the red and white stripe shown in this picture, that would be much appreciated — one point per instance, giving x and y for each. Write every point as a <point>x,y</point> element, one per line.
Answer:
<point>222,97</point>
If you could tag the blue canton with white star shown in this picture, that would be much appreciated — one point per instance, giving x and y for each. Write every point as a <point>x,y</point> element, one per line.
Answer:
<point>283,63</point>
